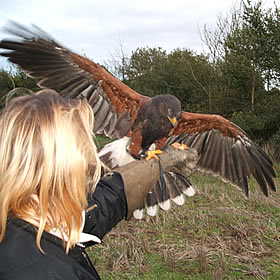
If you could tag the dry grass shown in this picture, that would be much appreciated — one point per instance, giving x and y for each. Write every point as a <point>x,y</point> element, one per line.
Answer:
<point>217,234</point>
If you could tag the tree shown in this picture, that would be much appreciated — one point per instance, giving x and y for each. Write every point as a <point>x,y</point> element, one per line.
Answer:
<point>188,76</point>
<point>118,63</point>
<point>262,29</point>
<point>244,51</point>
<point>6,84</point>
<point>15,83</point>
<point>144,73</point>
<point>245,48</point>
<point>182,73</point>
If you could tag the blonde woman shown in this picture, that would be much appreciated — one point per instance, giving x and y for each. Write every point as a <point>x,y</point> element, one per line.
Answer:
<point>49,175</point>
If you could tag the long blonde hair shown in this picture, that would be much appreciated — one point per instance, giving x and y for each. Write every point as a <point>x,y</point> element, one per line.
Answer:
<point>47,158</point>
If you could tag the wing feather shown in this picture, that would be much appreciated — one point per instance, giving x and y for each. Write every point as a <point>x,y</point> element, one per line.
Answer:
<point>109,129</point>
<point>88,92</point>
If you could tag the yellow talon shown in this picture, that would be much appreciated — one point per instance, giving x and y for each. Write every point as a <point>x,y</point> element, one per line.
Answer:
<point>153,154</point>
<point>179,146</point>
<point>185,147</point>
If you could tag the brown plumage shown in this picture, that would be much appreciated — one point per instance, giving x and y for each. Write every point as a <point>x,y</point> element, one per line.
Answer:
<point>140,122</point>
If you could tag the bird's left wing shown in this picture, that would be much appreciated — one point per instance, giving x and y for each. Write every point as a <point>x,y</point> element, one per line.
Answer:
<point>224,149</point>
<point>115,105</point>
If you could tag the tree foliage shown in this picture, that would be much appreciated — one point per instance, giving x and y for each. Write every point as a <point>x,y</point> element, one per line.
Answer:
<point>181,73</point>
<point>15,83</point>
<point>246,50</point>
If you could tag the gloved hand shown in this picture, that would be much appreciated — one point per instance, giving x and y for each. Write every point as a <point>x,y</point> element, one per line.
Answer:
<point>140,176</point>
<point>182,162</point>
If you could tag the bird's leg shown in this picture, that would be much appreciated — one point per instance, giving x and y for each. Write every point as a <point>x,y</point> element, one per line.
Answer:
<point>153,154</point>
<point>179,146</point>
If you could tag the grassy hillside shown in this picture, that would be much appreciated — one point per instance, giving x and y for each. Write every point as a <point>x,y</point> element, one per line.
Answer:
<point>217,234</point>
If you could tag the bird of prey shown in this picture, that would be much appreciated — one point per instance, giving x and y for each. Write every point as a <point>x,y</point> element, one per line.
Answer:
<point>140,123</point>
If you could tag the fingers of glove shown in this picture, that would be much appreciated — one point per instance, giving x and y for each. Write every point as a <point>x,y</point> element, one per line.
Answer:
<point>177,156</point>
<point>190,155</point>
<point>185,169</point>
<point>173,159</point>
<point>189,165</point>
<point>185,172</point>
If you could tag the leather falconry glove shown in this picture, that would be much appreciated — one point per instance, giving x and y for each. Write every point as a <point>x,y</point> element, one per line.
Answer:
<point>140,176</point>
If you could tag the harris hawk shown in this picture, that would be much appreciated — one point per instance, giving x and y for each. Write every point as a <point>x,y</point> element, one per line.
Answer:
<point>140,123</point>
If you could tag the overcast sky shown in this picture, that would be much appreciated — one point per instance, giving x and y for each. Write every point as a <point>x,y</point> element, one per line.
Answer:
<point>98,28</point>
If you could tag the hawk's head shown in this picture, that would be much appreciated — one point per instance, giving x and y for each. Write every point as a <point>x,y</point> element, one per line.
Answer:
<point>168,106</point>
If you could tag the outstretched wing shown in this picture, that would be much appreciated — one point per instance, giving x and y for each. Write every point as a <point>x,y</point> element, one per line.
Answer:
<point>115,105</point>
<point>225,150</point>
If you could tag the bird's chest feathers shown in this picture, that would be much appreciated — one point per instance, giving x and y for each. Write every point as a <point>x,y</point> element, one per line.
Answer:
<point>154,129</point>
<point>160,126</point>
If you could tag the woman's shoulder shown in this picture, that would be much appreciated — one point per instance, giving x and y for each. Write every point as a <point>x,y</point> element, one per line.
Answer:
<point>19,239</point>
<point>22,260</point>
<point>18,252</point>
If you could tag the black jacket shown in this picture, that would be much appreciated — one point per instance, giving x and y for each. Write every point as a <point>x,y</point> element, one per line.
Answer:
<point>20,259</point>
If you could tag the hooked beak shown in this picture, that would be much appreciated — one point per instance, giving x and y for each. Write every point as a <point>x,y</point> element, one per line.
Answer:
<point>173,121</point>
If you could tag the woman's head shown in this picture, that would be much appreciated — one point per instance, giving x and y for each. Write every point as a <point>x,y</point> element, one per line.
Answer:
<point>47,158</point>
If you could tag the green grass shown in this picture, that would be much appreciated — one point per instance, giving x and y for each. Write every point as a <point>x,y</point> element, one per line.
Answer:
<point>100,141</point>
<point>217,234</point>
